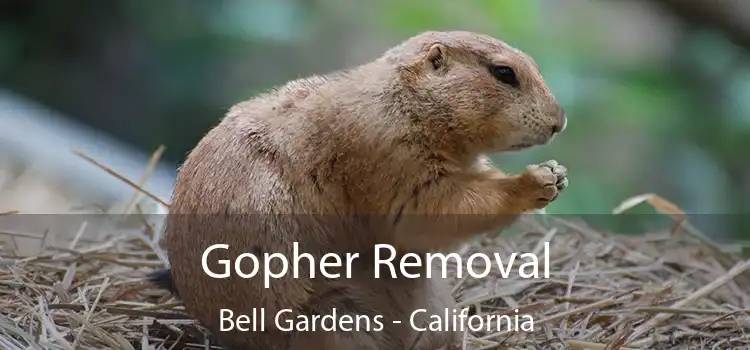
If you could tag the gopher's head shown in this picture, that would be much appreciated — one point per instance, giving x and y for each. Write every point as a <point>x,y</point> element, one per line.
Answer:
<point>477,91</point>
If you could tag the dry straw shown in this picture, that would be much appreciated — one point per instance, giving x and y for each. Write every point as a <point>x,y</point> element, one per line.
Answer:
<point>671,290</point>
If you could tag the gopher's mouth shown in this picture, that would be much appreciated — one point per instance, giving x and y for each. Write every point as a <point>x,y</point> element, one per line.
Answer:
<point>529,143</point>
<point>520,146</point>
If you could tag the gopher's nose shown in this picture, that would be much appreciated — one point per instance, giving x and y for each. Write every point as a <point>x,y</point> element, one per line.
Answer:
<point>562,123</point>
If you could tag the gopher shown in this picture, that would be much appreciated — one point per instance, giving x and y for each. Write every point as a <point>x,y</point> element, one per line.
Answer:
<point>394,152</point>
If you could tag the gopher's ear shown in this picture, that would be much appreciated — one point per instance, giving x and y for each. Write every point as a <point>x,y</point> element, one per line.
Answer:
<point>436,57</point>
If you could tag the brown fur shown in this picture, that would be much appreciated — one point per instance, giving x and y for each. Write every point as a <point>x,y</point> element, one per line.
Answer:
<point>393,152</point>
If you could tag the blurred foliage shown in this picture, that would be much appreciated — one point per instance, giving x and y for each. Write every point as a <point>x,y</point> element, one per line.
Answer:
<point>153,72</point>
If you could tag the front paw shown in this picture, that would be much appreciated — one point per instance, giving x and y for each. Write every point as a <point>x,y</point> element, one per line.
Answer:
<point>542,183</point>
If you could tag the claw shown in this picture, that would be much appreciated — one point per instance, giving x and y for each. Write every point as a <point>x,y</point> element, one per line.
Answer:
<point>558,171</point>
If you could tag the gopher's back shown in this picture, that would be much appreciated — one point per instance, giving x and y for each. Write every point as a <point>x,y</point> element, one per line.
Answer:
<point>274,171</point>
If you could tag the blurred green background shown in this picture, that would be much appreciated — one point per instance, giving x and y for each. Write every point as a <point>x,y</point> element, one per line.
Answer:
<point>657,92</point>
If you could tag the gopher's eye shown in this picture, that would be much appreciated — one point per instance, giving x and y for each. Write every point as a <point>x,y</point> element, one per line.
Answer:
<point>505,74</point>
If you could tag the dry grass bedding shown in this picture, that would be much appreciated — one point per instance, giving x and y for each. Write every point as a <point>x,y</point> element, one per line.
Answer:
<point>670,290</point>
